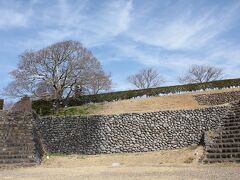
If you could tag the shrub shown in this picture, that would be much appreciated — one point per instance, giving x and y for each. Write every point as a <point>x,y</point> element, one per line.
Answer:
<point>43,107</point>
<point>1,104</point>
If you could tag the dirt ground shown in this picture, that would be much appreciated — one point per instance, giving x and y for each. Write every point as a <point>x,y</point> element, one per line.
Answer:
<point>161,103</point>
<point>173,164</point>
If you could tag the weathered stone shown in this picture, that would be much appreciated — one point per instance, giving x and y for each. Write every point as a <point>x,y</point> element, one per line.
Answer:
<point>217,98</point>
<point>19,142</point>
<point>128,132</point>
<point>24,105</point>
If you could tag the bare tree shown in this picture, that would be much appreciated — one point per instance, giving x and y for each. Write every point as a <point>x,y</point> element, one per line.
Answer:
<point>95,79</point>
<point>201,73</point>
<point>98,82</point>
<point>53,72</point>
<point>146,78</point>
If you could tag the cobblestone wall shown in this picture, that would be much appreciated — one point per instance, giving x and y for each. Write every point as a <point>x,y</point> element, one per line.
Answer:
<point>128,132</point>
<point>218,98</point>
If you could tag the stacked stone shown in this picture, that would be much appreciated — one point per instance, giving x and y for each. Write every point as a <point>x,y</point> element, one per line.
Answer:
<point>218,98</point>
<point>137,132</point>
<point>223,145</point>
<point>17,145</point>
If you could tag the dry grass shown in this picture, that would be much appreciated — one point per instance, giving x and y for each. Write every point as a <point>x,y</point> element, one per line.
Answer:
<point>151,104</point>
<point>127,159</point>
<point>174,102</point>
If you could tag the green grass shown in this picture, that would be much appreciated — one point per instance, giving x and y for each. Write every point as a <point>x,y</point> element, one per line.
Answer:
<point>80,110</point>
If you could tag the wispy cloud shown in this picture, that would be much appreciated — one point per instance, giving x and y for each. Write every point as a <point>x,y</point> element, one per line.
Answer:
<point>10,18</point>
<point>188,29</point>
<point>77,21</point>
<point>169,35</point>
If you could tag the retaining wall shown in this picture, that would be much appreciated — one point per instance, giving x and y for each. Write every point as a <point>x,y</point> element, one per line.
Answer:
<point>218,98</point>
<point>128,132</point>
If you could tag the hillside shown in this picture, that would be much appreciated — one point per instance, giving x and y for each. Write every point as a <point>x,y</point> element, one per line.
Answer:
<point>161,103</point>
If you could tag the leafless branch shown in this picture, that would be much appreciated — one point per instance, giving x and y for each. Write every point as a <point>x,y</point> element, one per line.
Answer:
<point>201,73</point>
<point>54,71</point>
<point>146,78</point>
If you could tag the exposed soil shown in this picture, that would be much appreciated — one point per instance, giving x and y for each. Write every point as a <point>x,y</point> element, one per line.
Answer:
<point>173,164</point>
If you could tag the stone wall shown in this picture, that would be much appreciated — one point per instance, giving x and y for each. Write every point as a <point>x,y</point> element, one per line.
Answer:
<point>218,98</point>
<point>128,132</point>
<point>18,139</point>
<point>24,105</point>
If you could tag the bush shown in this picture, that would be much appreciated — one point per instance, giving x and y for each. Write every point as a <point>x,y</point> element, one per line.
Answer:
<point>43,107</point>
<point>46,107</point>
<point>1,104</point>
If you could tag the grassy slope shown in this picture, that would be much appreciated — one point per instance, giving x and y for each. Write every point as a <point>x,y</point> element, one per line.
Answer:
<point>80,110</point>
<point>173,102</point>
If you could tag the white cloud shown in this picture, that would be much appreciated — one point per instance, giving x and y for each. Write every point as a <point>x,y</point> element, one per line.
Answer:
<point>227,56</point>
<point>14,14</point>
<point>171,38</point>
<point>72,21</point>
<point>11,18</point>
<point>188,30</point>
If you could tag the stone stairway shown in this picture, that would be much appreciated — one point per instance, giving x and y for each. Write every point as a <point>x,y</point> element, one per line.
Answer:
<point>223,145</point>
<point>17,146</point>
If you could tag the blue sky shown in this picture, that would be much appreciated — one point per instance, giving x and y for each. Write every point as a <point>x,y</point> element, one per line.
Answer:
<point>127,35</point>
